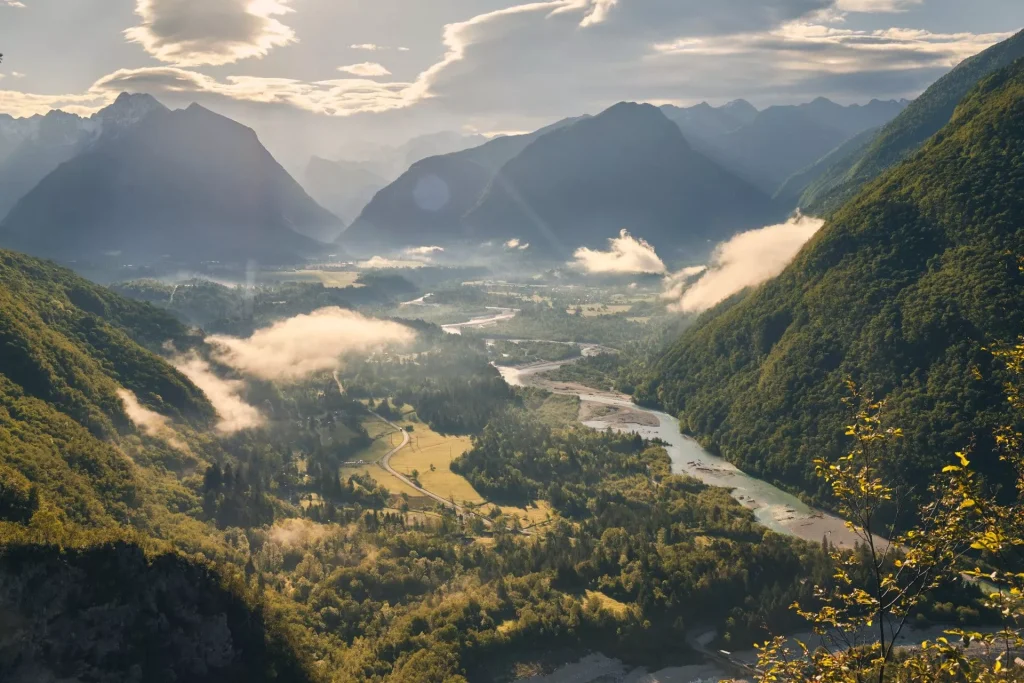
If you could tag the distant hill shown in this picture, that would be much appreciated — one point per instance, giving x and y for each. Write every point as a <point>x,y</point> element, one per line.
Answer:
<point>842,157</point>
<point>188,184</point>
<point>907,132</point>
<point>426,204</point>
<point>68,347</point>
<point>901,291</point>
<point>341,187</point>
<point>782,140</point>
<point>628,167</point>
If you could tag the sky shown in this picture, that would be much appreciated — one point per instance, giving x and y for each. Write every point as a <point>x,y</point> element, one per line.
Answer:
<point>321,76</point>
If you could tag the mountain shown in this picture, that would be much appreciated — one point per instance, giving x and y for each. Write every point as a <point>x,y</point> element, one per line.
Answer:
<point>907,132</point>
<point>111,613</point>
<point>782,140</point>
<point>186,184</point>
<point>342,187</point>
<point>843,156</point>
<point>628,167</point>
<point>69,347</point>
<point>901,291</point>
<point>426,204</point>
<point>703,121</point>
<point>30,149</point>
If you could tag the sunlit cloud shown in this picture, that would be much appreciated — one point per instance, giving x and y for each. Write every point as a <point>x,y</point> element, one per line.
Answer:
<point>424,251</point>
<point>384,263</point>
<point>225,395</point>
<point>625,255</point>
<point>746,260</point>
<point>367,69</point>
<point>296,348</point>
<point>210,32</point>
<point>150,422</point>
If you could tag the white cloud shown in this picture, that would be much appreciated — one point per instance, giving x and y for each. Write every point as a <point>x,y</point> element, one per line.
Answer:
<point>296,348</point>
<point>382,263</point>
<point>150,422</point>
<point>626,254</point>
<point>20,104</point>
<point>423,251</point>
<point>513,243</point>
<point>746,260</point>
<point>225,395</point>
<point>370,47</point>
<point>341,97</point>
<point>210,32</point>
<point>367,69</point>
<point>14,3</point>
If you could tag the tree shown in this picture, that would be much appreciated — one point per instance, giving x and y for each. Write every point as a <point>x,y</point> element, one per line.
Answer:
<point>876,590</point>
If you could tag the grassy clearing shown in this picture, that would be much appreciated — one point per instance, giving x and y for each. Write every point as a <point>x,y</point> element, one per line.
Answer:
<point>427,448</point>
<point>619,609</point>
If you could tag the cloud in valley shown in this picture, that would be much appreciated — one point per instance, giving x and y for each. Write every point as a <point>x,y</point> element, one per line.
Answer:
<point>150,422</point>
<point>383,263</point>
<point>210,32</point>
<point>306,344</point>
<point>225,395</point>
<point>746,260</point>
<point>625,255</point>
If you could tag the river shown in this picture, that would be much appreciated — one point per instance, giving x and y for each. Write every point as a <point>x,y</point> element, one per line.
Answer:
<point>774,508</point>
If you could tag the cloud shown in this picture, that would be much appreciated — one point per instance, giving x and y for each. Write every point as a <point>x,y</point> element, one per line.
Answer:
<point>225,395</point>
<point>746,260</point>
<point>340,97</point>
<point>151,423</point>
<point>516,243</point>
<point>367,69</point>
<point>210,32</point>
<point>382,263</point>
<point>508,68</point>
<point>626,254</point>
<point>13,3</point>
<point>20,104</point>
<point>424,251</point>
<point>293,349</point>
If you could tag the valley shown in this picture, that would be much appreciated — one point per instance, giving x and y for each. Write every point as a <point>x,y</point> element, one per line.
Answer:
<point>577,390</point>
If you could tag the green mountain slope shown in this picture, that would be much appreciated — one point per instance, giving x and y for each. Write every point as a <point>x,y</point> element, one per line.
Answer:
<point>900,292</point>
<point>109,613</point>
<point>68,347</point>
<point>908,131</point>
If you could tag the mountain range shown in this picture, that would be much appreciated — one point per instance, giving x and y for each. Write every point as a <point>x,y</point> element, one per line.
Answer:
<point>148,183</point>
<point>767,147</point>
<point>427,202</point>
<point>902,291</point>
<point>629,167</point>
<point>839,179</point>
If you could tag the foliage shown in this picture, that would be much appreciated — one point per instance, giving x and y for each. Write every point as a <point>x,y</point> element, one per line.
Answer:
<point>964,523</point>
<point>899,291</point>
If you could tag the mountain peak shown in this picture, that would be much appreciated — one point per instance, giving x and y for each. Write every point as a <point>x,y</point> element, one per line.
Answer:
<point>128,109</point>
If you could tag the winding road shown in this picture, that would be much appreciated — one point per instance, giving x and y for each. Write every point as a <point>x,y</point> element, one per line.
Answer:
<point>385,462</point>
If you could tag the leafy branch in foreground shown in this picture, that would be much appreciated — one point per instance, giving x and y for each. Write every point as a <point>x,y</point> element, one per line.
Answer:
<point>862,615</point>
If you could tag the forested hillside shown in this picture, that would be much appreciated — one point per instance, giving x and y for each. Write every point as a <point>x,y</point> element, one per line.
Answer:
<point>902,291</point>
<point>907,132</point>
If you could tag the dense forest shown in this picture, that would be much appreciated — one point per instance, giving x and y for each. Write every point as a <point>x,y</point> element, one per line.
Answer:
<point>901,292</point>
